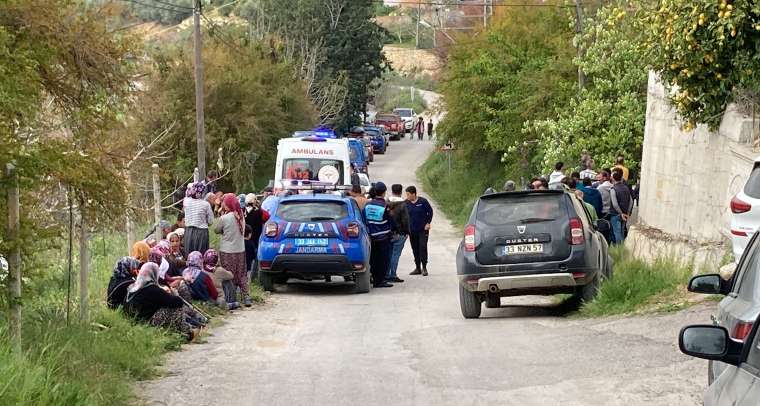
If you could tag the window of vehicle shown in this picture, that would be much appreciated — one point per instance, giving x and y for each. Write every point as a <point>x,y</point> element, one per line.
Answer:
<point>304,211</point>
<point>520,209</point>
<point>385,117</point>
<point>747,278</point>
<point>404,112</point>
<point>324,170</point>
<point>752,188</point>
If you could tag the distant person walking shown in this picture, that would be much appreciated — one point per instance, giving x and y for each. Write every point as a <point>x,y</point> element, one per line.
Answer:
<point>430,129</point>
<point>400,214</point>
<point>381,228</point>
<point>198,216</point>
<point>420,218</point>
<point>420,128</point>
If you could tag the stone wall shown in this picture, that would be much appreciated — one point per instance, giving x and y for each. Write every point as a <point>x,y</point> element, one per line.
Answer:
<point>688,180</point>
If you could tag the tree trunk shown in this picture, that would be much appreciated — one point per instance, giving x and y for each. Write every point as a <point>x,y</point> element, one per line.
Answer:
<point>84,264</point>
<point>14,276</point>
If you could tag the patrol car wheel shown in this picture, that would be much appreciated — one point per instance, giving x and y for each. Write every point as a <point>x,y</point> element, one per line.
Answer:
<point>361,285</point>
<point>266,281</point>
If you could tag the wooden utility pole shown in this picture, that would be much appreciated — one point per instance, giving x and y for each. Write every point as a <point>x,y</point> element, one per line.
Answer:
<point>485,13</point>
<point>157,203</point>
<point>579,31</point>
<point>419,17</point>
<point>84,264</point>
<point>14,259</point>
<point>200,132</point>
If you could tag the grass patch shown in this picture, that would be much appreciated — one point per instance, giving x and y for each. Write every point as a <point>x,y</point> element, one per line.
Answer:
<point>640,287</point>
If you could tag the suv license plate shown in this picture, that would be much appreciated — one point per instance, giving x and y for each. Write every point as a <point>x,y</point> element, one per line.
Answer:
<point>312,242</point>
<point>524,249</point>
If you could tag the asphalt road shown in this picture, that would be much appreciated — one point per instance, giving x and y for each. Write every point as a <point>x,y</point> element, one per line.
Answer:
<point>318,344</point>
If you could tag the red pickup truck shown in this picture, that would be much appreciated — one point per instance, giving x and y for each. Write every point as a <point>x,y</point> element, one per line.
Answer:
<point>393,124</point>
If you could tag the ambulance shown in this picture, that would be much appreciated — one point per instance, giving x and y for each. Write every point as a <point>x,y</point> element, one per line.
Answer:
<point>313,158</point>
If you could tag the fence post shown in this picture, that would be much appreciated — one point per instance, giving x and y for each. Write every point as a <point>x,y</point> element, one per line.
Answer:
<point>128,217</point>
<point>14,275</point>
<point>84,264</point>
<point>157,203</point>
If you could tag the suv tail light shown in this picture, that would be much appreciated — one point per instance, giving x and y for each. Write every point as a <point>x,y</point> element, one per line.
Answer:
<point>576,231</point>
<point>741,330</point>
<point>739,206</point>
<point>469,238</point>
<point>270,230</point>
<point>353,230</point>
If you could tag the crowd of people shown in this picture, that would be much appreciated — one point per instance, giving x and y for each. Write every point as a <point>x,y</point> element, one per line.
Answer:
<point>607,194</point>
<point>159,281</point>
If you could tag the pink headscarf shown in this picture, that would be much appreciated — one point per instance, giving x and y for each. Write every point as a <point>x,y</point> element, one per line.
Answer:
<point>232,203</point>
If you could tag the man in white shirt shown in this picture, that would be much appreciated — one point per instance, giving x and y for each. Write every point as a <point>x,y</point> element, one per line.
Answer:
<point>555,178</point>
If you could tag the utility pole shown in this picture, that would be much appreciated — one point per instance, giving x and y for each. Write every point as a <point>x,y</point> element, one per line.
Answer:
<point>485,13</point>
<point>419,17</point>
<point>200,131</point>
<point>578,32</point>
<point>159,233</point>
<point>84,263</point>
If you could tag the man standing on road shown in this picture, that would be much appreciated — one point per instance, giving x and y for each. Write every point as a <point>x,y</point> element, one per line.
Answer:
<point>420,217</point>
<point>430,129</point>
<point>381,228</point>
<point>420,128</point>
<point>620,205</point>
<point>604,189</point>
<point>400,214</point>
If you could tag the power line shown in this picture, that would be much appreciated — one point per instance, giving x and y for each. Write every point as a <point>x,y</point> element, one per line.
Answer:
<point>157,7</point>
<point>173,5</point>
<point>479,4</point>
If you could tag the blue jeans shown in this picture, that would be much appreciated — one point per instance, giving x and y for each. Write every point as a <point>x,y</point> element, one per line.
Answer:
<point>617,228</point>
<point>397,245</point>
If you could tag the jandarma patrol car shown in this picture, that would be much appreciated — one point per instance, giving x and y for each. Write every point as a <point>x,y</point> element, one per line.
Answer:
<point>314,236</point>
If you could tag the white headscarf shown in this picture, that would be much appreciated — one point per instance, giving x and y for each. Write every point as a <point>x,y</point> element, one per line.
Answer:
<point>148,275</point>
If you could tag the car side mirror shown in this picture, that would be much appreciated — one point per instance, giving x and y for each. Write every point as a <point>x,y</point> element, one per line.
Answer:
<point>711,343</point>
<point>709,284</point>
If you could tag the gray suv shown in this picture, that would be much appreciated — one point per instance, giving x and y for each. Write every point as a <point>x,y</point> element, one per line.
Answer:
<point>529,243</point>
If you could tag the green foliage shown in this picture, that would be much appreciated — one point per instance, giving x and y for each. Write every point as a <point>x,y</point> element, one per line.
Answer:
<point>706,50</point>
<point>638,286</point>
<point>384,10</point>
<point>519,70</point>
<point>388,98</point>
<point>608,116</point>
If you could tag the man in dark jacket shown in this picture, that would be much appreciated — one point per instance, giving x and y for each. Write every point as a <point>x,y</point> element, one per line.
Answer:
<point>400,215</point>
<point>621,205</point>
<point>381,227</point>
<point>420,217</point>
<point>591,196</point>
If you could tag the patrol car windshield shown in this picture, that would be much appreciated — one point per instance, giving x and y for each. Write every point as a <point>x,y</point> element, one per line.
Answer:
<point>303,211</point>
<point>323,170</point>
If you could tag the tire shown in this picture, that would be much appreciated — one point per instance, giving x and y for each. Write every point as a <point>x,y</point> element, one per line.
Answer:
<point>470,303</point>
<point>608,269</point>
<point>267,281</point>
<point>493,301</point>
<point>589,291</point>
<point>361,284</point>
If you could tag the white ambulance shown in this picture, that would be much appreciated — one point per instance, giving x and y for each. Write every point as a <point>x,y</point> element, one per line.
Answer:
<point>313,158</point>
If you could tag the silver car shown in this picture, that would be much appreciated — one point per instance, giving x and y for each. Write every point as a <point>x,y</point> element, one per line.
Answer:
<point>740,307</point>
<point>739,384</point>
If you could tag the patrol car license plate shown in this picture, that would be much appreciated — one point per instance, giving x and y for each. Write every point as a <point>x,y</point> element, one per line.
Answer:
<point>524,249</point>
<point>312,242</point>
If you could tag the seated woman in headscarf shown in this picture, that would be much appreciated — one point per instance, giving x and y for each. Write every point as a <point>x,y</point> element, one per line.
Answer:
<point>148,302</point>
<point>157,256</point>
<point>222,279</point>
<point>140,251</point>
<point>124,274</point>
<point>200,284</point>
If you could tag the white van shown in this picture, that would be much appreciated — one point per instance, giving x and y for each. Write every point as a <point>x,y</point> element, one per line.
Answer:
<point>313,158</point>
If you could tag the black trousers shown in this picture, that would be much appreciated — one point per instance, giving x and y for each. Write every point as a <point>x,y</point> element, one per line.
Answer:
<point>380,260</point>
<point>419,243</point>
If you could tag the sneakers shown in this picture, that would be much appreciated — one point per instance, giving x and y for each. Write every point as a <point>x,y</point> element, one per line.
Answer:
<point>247,301</point>
<point>383,285</point>
<point>233,305</point>
<point>396,280</point>
<point>416,272</point>
<point>424,271</point>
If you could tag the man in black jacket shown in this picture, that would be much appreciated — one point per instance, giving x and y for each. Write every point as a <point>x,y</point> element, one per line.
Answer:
<point>400,214</point>
<point>420,217</point>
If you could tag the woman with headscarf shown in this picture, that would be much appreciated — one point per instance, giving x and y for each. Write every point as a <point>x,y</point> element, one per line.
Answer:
<point>198,216</point>
<point>231,225</point>
<point>148,302</point>
<point>222,280</point>
<point>140,251</point>
<point>176,256</point>
<point>123,275</point>
<point>200,283</point>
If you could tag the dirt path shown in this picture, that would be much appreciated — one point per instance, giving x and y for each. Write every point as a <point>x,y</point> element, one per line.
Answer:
<point>322,345</point>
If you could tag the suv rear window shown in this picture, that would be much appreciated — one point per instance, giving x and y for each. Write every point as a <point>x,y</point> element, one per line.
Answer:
<point>752,188</point>
<point>312,211</point>
<point>520,209</point>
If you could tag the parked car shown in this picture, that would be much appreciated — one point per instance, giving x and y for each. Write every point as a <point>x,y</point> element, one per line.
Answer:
<point>367,141</point>
<point>314,236</point>
<point>357,154</point>
<point>739,385</point>
<point>392,123</point>
<point>408,116</point>
<point>378,141</point>
<point>364,182</point>
<point>376,129</point>
<point>745,207</point>
<point>740,307</point>
<point>529,243</point>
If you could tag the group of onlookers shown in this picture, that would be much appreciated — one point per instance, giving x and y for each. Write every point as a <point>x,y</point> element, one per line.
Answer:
<point>159,280</point>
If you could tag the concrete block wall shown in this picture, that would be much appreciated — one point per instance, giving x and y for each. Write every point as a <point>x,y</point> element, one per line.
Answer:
<point>688,180</point>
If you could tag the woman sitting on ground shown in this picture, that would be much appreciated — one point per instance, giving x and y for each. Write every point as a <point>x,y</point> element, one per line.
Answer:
<point>148,302</point>
<point>124,274</point>
<point>222,280</point>
<point>201,285</point>
<point>140,251</point>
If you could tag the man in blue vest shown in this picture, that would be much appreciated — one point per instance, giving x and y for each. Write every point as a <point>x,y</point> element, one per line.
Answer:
<point>380,224</point>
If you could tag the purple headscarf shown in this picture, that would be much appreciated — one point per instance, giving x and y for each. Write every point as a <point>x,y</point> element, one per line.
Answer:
<point>195,190</point>
<point>194,266</point>
<point>210,259</point>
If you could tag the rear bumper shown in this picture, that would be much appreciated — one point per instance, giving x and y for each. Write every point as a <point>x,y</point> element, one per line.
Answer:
<point>521,282</point>
<point>304,264</point>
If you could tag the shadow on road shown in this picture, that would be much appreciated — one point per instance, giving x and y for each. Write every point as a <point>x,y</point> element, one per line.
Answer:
<point>563,309</point>
<point>316,288</point>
